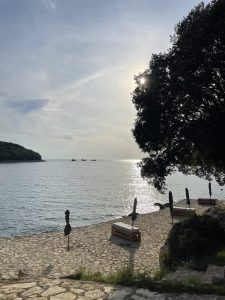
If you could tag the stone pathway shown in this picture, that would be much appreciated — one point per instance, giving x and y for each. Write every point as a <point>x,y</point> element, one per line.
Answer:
<point>56,289</point>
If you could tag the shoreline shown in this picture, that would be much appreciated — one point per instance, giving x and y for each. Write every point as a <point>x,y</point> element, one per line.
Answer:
<point>77,227</point>
<point>21,161</point>
<point>118,219</point>
<point>91,248</point>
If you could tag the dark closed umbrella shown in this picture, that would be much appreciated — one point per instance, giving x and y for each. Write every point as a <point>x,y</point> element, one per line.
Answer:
<point>187,197</point>
<point>210,190</point>
<point>67,228</point>
<point>171,204</point>
<point>134,214</point>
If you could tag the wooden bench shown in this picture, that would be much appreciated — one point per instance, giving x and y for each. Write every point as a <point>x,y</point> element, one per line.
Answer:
<point>126,231</point>
<point>207,201</point>
<point>183,211</point>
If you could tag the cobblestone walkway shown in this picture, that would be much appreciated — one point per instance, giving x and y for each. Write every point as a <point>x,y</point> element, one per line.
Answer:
<point>49,289</point>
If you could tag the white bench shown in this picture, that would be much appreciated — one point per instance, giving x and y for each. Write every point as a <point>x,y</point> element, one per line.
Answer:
<point>207,201</point>
<point>183,211</point>
<point>126,231</point>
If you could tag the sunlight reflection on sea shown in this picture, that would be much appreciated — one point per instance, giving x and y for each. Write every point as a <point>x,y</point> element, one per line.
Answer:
<point>34,196</point>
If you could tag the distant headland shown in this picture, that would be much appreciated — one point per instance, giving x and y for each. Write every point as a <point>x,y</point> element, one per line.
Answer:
<point>10,152</point>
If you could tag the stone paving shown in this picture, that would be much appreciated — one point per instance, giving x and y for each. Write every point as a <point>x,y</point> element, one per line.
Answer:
<point>44,258</point>
<point>56,289</point>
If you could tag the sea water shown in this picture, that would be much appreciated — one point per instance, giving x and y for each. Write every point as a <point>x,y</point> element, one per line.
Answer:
<point>35,196</point>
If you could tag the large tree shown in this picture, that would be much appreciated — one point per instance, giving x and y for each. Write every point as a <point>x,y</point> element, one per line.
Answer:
<point>180,101</point>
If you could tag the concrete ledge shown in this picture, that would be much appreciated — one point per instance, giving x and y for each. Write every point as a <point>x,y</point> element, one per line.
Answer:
<point>183,211</point>
<point>207,201</point>
<point>126,231</point>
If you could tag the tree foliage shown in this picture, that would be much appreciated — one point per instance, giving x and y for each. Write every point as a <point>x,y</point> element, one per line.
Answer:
<point>180,108</point>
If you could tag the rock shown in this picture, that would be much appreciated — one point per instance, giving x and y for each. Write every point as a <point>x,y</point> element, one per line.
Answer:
<point>218,212</point>
<point>146,294</point>
<point>135,297</point>
<point>32,291</point>
<point>212,272</point>
<point>94,294</point>
<point>121,294</point>
<point>182,274</point>
<point>54,290</point>
<point>64,296</point>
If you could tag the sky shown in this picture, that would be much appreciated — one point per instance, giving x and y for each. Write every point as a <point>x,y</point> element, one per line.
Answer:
<point>67,69</point>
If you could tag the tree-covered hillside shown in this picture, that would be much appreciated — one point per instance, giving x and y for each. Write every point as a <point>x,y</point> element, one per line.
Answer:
<point>14,152</point>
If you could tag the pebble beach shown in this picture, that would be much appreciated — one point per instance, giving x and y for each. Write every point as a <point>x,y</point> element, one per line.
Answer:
<point>92,248</point>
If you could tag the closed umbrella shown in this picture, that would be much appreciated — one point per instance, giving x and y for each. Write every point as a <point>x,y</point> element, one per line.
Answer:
<point>171,204</point>
<point>67,228</point>
<point>210,191</point>
<point>134,214</point>
<point>187,197</point>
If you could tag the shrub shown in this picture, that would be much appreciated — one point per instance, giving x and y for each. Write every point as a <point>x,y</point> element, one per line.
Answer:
<point>219,258</point>
<point>218,212</point>
<point>195,240</point>
<point>124,276</point>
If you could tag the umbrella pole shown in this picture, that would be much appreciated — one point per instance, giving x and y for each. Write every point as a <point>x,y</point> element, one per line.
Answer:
<point>68,247</point>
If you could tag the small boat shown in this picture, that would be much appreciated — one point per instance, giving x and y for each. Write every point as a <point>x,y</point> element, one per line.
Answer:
<point>83,159</point>
<point>73,159</point>
<point>93,160</point>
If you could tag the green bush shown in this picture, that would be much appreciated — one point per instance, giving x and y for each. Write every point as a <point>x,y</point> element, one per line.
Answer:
<point>195,240</point>
<point>219,258</point>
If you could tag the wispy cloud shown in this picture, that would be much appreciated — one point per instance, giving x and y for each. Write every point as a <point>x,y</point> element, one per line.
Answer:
<point>26,105</point>
<point>49,4</point>
<point>67,71</point>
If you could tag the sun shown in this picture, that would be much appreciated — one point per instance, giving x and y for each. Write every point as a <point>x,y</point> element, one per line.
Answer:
<point>142,80</point>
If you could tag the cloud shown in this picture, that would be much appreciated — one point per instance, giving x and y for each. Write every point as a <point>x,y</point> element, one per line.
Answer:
<point>67,71</point>
<point>26,105</point>
<point>49,4</point>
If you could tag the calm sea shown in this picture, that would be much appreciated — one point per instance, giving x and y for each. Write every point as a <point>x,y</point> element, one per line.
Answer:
<point>34,196</point>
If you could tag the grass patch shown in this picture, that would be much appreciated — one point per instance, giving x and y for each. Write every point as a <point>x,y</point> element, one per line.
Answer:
<point>82,274</point>
<point>159,274</point>
<point>153,282</point>
<point>192,281</point>
<point>124,276</point>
